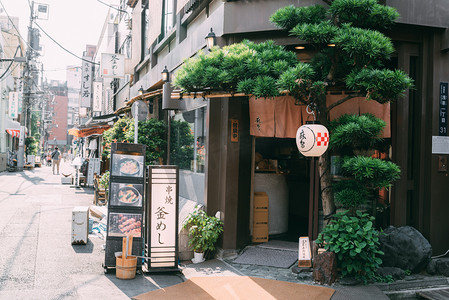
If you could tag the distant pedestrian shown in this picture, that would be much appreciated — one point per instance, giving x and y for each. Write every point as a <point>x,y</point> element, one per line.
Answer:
<point>55,156</point>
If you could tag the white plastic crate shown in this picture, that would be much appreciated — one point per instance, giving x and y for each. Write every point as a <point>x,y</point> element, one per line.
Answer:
<point>80,225</point>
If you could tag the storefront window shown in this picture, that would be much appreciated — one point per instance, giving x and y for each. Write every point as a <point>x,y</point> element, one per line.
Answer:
<point>193,156</point>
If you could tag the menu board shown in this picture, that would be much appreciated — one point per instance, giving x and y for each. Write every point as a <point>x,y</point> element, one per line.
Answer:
<point>126,194</point>
<point>127,165</point>
<point>123,224</point>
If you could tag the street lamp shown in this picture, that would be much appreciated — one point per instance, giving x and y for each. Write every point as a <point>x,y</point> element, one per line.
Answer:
<point>141,91</point>
<point>211,40</point>
<point>165,75</point>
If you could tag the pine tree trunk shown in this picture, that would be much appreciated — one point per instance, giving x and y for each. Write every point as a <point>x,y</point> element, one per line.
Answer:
<point>327,198</point>
<point>324,165</point>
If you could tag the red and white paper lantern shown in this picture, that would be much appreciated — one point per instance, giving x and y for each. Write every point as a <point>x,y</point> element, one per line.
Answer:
<point>312,139</point>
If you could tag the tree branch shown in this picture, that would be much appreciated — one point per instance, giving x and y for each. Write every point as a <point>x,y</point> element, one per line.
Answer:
<point>343,100</point>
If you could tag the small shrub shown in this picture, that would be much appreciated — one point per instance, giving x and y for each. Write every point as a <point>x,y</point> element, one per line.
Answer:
<point>204,230</point>
<point>355,243</point>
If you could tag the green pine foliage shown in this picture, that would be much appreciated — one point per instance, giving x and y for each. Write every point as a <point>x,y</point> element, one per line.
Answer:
<point>371,172</point>
<point>353,132</point>
<point>245,67</point>
<point>350,194</point>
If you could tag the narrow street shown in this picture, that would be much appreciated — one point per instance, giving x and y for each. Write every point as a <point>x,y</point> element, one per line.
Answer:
<point>37,260</point>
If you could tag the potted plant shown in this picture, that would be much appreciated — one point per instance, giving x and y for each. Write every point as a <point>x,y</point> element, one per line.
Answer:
<point>204,232</point>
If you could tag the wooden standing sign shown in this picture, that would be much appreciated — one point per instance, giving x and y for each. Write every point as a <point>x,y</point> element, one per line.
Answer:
<point>304,254</point>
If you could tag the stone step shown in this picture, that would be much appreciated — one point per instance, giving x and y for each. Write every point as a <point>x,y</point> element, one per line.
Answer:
<point>410,294</point>
<point>415,282</point>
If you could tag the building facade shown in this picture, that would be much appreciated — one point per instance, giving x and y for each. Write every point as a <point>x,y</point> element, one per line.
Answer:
<point>164,33</point>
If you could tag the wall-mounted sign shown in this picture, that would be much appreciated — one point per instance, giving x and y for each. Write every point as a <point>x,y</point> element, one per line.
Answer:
<point>22,136</point>
<point>13,104</point>
<point>98,96</point>
<point>112,65</point>
<point>86,82</point>
<point>163,216</point>
<point>440,144</point>
<point>234,131</point>
<point>442,129</point>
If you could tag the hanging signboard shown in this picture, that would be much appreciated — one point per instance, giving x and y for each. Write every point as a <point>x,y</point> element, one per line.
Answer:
<point>163,219</point>
<point>98,96</point>
<point>86,82</point>
<point>13,104</point>
<point>442,129</point>
<point>112,65</point>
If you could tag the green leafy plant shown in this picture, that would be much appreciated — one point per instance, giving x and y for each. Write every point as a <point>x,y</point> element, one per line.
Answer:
<point>181,149</point>
<point>152,133</point>
<point>355,242</point>
<point>104,180</point>
<point>204,230</point>
<point>32,145</point>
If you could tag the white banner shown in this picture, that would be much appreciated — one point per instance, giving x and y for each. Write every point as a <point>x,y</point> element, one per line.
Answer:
<point>22,136</point>
<point>112,65</point>
<point>13,104</point>
<point>86,82</point>
<point>98,96</point>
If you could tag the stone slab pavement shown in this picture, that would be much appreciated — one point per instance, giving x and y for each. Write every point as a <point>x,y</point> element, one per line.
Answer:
<point>37,260</point>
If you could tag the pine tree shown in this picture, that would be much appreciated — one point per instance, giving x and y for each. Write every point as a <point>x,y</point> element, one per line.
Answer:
<point>355,61</point>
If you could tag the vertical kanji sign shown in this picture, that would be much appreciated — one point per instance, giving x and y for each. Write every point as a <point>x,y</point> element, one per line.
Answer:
<point>86,82</point>
<point>163,216</point>
<point>234,131</point>
<point>442,130</point>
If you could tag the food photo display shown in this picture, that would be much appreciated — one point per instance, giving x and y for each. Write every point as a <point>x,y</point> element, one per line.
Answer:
<point>123,224</point>
<point>127,165</point>
<point>126,194</point>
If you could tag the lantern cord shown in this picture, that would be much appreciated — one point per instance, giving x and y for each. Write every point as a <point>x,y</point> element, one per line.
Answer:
<point>310,111</point>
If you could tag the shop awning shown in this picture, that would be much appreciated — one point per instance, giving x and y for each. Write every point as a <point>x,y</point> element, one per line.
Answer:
<point>13,132</point>
<point>85,132</point>
<point>12,127</point>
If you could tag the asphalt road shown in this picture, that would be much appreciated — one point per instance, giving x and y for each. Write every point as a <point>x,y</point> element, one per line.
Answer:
<point>37,259</point>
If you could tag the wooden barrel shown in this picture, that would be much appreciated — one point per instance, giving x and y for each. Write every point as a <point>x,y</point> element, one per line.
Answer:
<point>125,268</point>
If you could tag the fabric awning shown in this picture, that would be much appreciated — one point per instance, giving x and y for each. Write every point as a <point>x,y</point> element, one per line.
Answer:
<point>13,132</point>
<point>88,131</point>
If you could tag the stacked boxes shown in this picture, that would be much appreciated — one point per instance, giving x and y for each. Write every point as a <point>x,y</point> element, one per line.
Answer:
<point>260,217</point>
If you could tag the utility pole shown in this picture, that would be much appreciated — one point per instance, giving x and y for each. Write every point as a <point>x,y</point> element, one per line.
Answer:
<point>24,123</point>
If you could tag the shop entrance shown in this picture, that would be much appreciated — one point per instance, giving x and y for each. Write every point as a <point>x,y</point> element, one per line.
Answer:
<point>284,174</point>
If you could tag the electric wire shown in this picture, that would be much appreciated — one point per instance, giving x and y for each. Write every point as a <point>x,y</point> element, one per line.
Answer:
<point>7,69</point>
<point>120,10</point>
<point>12,70</point>
<point>62,47</point>
<point>13,25</point>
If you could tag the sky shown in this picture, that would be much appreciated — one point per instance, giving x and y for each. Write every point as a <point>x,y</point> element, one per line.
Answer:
<point>72,23</point>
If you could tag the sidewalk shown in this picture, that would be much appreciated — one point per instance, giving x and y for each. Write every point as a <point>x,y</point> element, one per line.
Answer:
<point>37,260</point>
